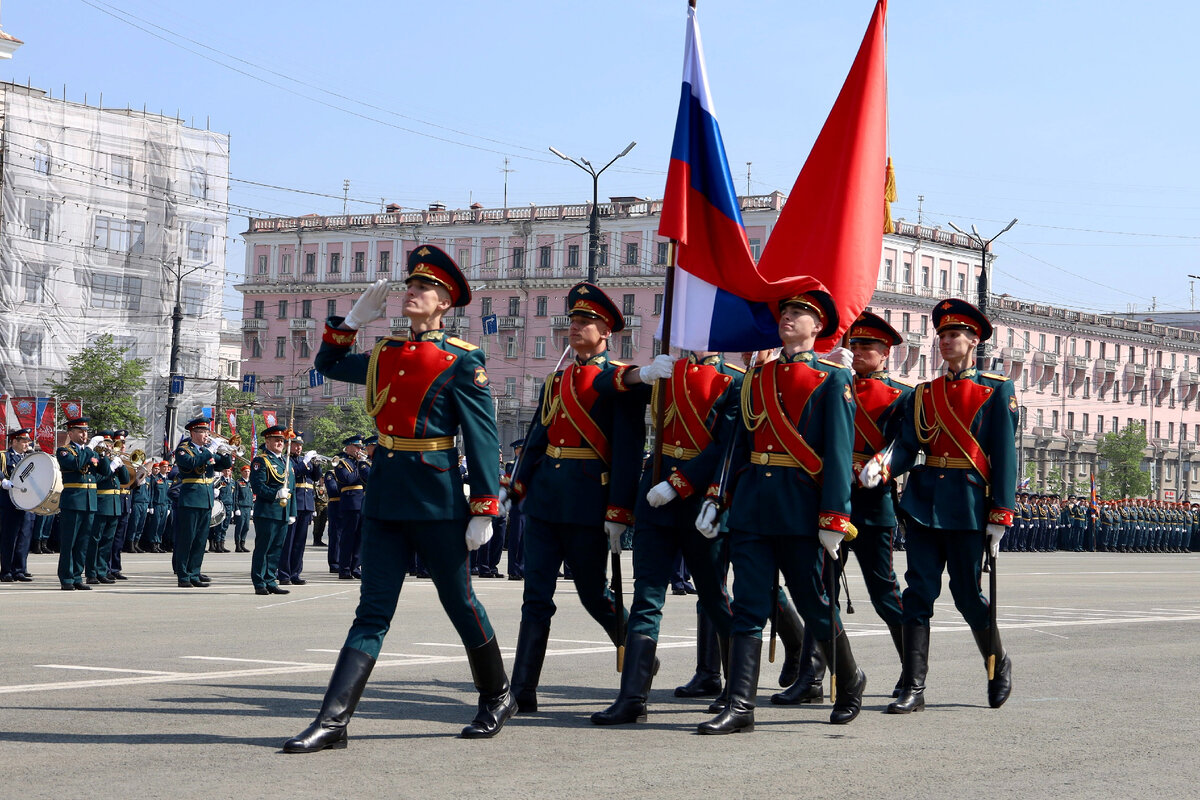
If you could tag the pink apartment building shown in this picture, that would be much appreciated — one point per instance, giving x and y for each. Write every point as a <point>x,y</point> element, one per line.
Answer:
<point>1078,375</point>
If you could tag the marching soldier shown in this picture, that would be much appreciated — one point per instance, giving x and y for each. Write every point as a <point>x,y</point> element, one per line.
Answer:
<point>422,392</point>
<point>108,512</point>
<point>197,469</point>
<point>291,563</point>
<point>578,483</point>
<point>80,465</point>
<point>16,525</point>
<point>790,502</point>
<point>700,393</point>
<point>350,469</point>
<point>959,501</point>
<point>243,505</point>
<point>274,486</point>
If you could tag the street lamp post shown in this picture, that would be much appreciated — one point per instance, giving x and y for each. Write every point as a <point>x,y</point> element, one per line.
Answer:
<point>984,246</point>
<point>594,218</point>
<point>173,369</point>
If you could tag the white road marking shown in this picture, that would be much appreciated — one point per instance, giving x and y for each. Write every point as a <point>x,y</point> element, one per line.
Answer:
<point>253,661</point>
<point>106,669</point>
<point>303,599</point>
<point>1047,633</point>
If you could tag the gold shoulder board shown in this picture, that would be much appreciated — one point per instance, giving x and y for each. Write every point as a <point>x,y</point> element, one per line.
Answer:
<point>993,376</point>
<point>831,363</point>
<point>459,343</point>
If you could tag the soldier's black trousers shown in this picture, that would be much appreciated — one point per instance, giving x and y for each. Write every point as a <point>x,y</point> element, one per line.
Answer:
<point>584,549</point>
<point>873,548</point>
<point>959,553</point>
<point>756,557</point>
<point>655,549</point>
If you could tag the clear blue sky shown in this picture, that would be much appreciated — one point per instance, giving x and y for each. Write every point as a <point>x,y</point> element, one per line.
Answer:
<point>1079,118</point>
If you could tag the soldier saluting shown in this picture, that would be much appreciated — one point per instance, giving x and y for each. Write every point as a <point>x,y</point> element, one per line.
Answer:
<point>959,501</point>
<point>422,391</point>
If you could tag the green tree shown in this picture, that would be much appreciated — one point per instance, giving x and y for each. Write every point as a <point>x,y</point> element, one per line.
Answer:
<point>1122,476</point>
<point>106,381</point>
<point>327,431</point>
<point>1054,482</point>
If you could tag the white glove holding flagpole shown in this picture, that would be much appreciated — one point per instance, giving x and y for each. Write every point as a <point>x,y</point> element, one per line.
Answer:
<point>994,534</point>
<point>658,369</point>
<point>841,355</point>
<point>706,520</point>
<point>875,471</point>
<point>661,494</point>
<point>369,307</point>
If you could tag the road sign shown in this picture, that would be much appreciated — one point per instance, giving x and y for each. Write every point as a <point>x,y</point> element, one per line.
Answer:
<point>315,379</point>
<point>248,382</point>
<point>491,325</point>
<point>176,384</point>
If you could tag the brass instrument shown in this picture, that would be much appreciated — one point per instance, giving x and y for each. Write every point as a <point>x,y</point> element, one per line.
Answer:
<point>234,443</point>
<point>136,461</point>
<point>313,455</point>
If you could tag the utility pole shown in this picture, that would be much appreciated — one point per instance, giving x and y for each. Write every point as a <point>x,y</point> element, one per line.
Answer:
<point>506,170</point>
<point>594,220</point>
<point>982,291</point>
<point>748,178</point>
<point>1192,289</point>
<point>345,195</point>
<point>173,369</point>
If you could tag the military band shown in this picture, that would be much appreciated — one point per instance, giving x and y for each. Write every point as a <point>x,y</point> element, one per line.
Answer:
<point>274,487</point>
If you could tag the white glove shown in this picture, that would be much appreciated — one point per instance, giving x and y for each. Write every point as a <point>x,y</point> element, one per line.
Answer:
<point>283,493</point>
<point>237,513</point>
<point>479,531</point>
<point>830,540</point>
<point>660,494</point>
<point>149,510</point>
<point>115,464</point>
<point>95,440</point>
<point>217,492</point>
<point>369,307</point>
<point>291,520</point>
<point>706,520</point>
<point>872,473</point>
<point>223,448</point>
<point>842,356</point>
<point>505,502</point>
<point>659,368</point>
<point>994,534</point>
<point>615,531</point>
<point>6,483</point>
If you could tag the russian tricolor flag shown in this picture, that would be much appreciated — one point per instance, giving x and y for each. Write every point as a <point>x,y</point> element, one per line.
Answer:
<point>701,212</point>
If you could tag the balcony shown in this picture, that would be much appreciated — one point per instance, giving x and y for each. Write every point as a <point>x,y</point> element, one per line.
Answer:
<point>1135,370</point>
<point>1075,362</point>
<point>1013,355</point>
<point>459,325</point>
<point>302,324</point>
<point>559,322</point>
<point>1160,444</point>
<point>254,324</point>
<point>398,324</point>
<point>507,404</point>
<point>914,338</point>
<point>1042,432</point>
<point>1106,366</point>
<point>1074,437</point>
<point>1187,448</point>
<point>510,323</point>
<point>633,321</point>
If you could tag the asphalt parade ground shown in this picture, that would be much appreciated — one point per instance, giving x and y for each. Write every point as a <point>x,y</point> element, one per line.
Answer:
<point>145,690</point>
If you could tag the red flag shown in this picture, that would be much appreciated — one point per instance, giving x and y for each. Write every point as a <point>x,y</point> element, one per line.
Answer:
<point>71,409</point>
<point>231,415</point>
<point>269,417</point>
<point>832,224</point>
<point>4,402</point>
<point>46,436</point>
<point>26,408</point>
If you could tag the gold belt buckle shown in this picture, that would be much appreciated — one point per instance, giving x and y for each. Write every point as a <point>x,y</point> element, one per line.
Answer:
<point>763,458</point>
<point>678,452</point>
<point>555,451</point>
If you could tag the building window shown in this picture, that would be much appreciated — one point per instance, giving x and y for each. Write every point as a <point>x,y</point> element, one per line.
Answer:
<point>464,257</point>
<point>310,263</point>
<point>262,265</point>
<point>510,387</point>
<point>627,307</point>
<point>602,256</point>
<point>489,257</point>
<point>35,282</point>
<point>539,347</point>
<point>1099,423</point>
<point>327,389</point>
<point>943,279</point>
<point>661,252</point>
<point>199,183</point>
<point>121,168</point>
<point>658,304</point>
<point>255,348</point>
<point>1085,423</point>
<point>281,347</point>
<point>1054,419</point>
<point>572,255</point>
<point>303,347</point>
<point>510,347</point>
<point>193,297</point>
<point>1157,429</point>
<point>30,345</point>
<point>360,261</point>
<point>485,306</point>
<point>306,309</point>
<point>887,270</point>
<point>199,244</point>
<point>1057,345</point>
<point>121,235</point>
<point>924,275</point>
<point>755,248</point>
<point>282,310</point>
<point>335,263</point>
<point>1170,431</point>
<point>260,311</point>
<point>626,346</point>
<point>285,262</point>
<point>517,261</point>
<point>921,367</point>
<point>1070,420</point>
<point>123,293</point>
<point>541,307</point>
<point>1042,342</point>
<point>905,322</point>
<point>631,253</point>
<point>544,257</point>
<point>514,306</point>
<point>41,157</point>
<point>962,283</point>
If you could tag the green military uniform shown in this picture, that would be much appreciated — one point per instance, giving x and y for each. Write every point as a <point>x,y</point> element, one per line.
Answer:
<point>268,474</point>
<point>198,467</point>
<point>104,525</point>
<point>80,467</point>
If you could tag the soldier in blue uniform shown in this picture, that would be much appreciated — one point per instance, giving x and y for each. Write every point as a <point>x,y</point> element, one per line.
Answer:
<point>80,465</point>
<point>108,513</point>
<point>514,529</point>
<point>141,503</point>
<point>243,506</point>
<point>790,506</point>
<point>959,501</point>
<point>16,525</point>
<point>333,520</point>
<point>307,473</point>
<point>160,505</point>
<point>350,468</point>
<point>422,392</point>
<point>578,482</point>
<point>125,514</point>
<point>197,469</point>
<point>223,489</point>
<point>274,486</point>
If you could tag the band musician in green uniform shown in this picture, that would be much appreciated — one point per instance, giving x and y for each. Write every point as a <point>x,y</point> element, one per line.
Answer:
<point>79,465</point>
<point>274,487</point>
<point>197,469</point>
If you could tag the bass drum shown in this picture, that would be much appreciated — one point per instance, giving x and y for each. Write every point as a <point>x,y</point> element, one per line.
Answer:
<point>37,484</point>
<point>218,514</point>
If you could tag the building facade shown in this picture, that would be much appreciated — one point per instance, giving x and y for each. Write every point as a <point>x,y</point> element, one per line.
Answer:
<point>1077,375</point>
<point>101,208</point>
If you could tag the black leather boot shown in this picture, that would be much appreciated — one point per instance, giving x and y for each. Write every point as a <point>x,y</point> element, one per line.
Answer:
<point>916,665</point>
<point>808,687</point>
<point>527,664</point>
<point>745,654</point>
<point>707,680</point>
<point>1000,686</point>
<point>791,631</point>
<point>636,675</point>
<point>341,698</point>
<point>496,703</point>
<point>897,632</point>
<point>850,681</point>
<point>722,700</point>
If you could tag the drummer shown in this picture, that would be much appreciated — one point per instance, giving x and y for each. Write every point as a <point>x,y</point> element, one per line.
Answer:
<point>16,524</point>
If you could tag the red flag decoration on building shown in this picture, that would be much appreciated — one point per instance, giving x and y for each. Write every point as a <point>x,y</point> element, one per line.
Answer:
<point>71,409</point>
<point>46,435</point>
<point>269,417</point>
<point>231,416</point>
<point>3,419</point>
<point>26,408</point>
